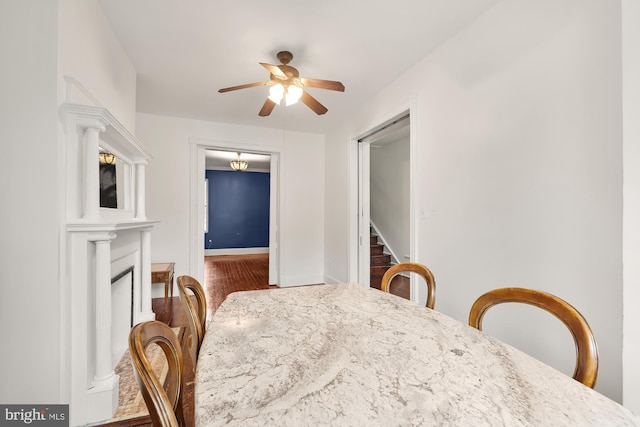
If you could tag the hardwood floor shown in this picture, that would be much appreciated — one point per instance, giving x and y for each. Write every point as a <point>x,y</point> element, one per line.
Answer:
<point>231,273</point>
<point>400,286</point>
<point>223,275</point>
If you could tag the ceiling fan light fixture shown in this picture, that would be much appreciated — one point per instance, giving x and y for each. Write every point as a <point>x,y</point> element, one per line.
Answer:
<point>238,165</point>
<point>276,92</point>
<point>293,94</point>
<point>286,83</point>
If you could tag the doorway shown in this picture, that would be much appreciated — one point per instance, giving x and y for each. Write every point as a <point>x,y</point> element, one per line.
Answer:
<point>237,207</point>
<point>384,158</point>
<point>199,149</point>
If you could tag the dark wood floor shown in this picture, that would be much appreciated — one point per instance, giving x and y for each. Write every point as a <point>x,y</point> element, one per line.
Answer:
<point>400,286</point>
<point>223,275</point>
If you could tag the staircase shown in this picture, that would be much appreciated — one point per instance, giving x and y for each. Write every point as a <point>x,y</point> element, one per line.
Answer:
<point>380,262</point>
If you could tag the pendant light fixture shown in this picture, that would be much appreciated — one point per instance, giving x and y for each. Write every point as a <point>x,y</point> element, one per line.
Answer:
<point>106,158</point>
<point>238,165</point>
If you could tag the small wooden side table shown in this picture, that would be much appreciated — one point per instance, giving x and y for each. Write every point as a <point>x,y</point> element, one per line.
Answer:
<point>162,272</point>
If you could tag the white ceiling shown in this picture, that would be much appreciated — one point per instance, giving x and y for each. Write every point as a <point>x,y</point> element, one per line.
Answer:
<point>185,50</point>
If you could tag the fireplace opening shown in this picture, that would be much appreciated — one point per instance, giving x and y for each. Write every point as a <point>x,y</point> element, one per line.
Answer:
<point>119,276</point>
<point>122,306</point>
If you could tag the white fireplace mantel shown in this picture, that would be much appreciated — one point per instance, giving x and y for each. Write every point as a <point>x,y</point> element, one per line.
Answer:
<point>90,129</point>
<point>99,240</point>
<point>84,226</point>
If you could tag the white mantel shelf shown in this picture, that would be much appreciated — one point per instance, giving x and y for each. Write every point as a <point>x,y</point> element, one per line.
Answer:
<point>89,226</point>
<point>115,133</point>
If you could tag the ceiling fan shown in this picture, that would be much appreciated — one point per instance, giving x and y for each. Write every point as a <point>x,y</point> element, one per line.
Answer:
<point>287,84</point>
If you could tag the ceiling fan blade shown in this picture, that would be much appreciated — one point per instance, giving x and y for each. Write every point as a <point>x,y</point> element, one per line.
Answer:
<point>229,89</point>
<point>274,69</point>
<point>313,103</point>
<point>267,108</point>
<point>323,84</point>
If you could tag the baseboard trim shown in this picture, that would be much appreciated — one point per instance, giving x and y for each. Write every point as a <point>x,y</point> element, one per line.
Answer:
<point>236,251</point>
<point>330,280</point>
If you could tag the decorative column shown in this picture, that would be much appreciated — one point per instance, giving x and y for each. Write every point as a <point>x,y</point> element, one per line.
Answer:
<point>140,190</point>
<point>103,394</point>
<point>91,197</point>
<point>145,264</point>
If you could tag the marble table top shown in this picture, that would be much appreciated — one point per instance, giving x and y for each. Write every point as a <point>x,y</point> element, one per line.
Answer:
<point>348,355</point>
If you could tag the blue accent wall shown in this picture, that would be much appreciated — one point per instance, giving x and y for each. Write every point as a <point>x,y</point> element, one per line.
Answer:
<point>238,210</point>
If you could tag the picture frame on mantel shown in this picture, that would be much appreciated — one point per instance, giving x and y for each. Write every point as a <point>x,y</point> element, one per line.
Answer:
<point>108,191</point>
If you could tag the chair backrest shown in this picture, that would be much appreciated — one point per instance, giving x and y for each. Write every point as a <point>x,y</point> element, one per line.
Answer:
<point>196,313</point>
<point>415,268</point>
<point>586,370</point>
<point>164,402</point>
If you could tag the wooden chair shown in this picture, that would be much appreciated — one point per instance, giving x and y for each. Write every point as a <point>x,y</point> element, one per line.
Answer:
<point>196,314</point>
<point>586,370</point>
<point>415,268</point>
<point>163,402</point>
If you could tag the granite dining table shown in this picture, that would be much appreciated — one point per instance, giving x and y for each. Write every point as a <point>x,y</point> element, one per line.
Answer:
<point>349,355</point>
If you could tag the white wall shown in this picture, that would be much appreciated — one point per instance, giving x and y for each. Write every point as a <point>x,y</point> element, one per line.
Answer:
<point>41,40</point>
<point>518,128</point>
<point>91,53</point>
<point>31,214</point>
<point>631,246</point>
<point>301,175</point>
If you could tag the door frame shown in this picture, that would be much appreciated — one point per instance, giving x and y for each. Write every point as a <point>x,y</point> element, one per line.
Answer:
<point>364,212</point>
<point>359,200</point>
<point>198,146</point>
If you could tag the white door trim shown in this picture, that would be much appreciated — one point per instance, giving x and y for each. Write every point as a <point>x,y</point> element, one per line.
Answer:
<point>364,213</point>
